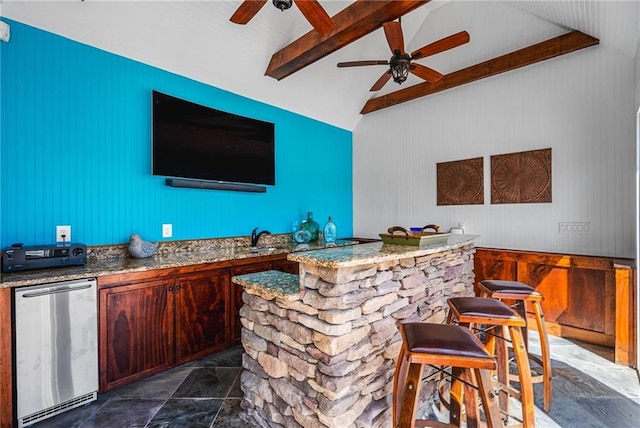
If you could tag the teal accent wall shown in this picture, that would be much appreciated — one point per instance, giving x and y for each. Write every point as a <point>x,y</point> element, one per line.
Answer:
<point>75,148</point>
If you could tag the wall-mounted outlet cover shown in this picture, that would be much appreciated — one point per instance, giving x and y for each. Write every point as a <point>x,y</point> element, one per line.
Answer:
<point>167,230</point>
<point>63,233</point>
<point>574,227</point>
<point>5,31</point>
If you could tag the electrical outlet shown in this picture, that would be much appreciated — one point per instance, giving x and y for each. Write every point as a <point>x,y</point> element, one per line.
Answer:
<point>167,230</point>
<point>63,233</point>
<point>574,227</point>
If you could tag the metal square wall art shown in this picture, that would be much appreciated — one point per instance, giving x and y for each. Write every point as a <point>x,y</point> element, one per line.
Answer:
<point>461,182</point>
<point>519,178</point>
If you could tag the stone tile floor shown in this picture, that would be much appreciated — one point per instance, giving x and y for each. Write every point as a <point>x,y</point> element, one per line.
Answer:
<point>588,391</point>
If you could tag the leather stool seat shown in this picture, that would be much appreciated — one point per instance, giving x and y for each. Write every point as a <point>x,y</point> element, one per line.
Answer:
<point>443,345</point>
<point>511,287</point>
<point>450,343</point>
<point>528,300</point>
<point>481,308</point>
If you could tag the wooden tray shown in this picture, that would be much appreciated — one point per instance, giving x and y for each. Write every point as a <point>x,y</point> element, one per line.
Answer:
<point>397,235</point>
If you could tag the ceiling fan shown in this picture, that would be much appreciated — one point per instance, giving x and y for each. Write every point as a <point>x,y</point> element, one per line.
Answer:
<point>311,10</point>
<point>401,63</point>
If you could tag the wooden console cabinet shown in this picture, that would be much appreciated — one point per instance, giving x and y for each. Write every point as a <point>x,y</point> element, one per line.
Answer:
<point>151,321</point>
<point>591,299</point>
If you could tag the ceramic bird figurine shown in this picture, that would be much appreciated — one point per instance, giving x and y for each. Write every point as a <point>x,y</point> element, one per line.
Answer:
<point>140,248</point>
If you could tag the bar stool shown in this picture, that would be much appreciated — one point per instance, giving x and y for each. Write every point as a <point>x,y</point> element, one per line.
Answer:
<point>526,298</point>
<point>443,345</point>
<point>498,317</point>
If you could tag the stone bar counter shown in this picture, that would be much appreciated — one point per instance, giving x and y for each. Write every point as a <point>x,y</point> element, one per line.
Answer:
<point>321,346</point>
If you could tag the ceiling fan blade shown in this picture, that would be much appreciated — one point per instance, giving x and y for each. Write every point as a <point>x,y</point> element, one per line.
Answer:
<point>425,73</point>
<point>246,11</point>
<point>393,33</point>
<point>441,45</point>
<point>316,16</point>
<point>361,63</point>
<point>381,81</point>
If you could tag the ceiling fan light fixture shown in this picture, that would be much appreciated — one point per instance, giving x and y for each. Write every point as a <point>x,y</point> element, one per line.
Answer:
<point>282,4</point>
<point>400,66</point>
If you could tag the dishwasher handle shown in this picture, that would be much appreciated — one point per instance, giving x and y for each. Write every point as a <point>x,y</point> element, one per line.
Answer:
<point>58,289</point>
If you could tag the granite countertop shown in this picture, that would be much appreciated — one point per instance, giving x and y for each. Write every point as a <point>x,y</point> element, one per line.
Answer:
<point>375,252</point>
<point>275,284</point>
<point>271,284</point>
<point>162,260</point>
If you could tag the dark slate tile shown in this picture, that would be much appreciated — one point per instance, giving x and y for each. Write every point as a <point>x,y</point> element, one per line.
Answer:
<point>215,382</point>
<point>159,386</point>
<point>186,413</point>
<point>570,413</point>
<point>231,357</point>
<point>619,412</point>
<point>124,413</point>
<point>573,383</point>
<point>229,415</point>
<point>236,391</point>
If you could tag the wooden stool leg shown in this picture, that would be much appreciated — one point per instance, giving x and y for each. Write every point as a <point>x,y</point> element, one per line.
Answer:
<point>547,372</point>
<point>502,359</point>
<point>406,418</point>
<point>524,374</point>
<point>456,394</point>
<point>470,399</point>
<point>491,411</point>
<point>399,378</point>
<point>521,309</point>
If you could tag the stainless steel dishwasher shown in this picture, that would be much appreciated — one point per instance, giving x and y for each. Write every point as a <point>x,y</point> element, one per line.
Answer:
<point>56,348</point>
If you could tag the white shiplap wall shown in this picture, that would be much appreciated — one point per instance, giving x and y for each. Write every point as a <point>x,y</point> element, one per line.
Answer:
<point>581,105</point>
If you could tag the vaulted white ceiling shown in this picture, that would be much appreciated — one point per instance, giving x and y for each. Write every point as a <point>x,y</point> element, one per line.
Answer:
<point>196,39</point>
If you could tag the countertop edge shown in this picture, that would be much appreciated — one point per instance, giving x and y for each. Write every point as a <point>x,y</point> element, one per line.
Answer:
<point>128,265</point>
<point>375,252</point>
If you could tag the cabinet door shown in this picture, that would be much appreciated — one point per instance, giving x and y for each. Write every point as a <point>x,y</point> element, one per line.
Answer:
<point>236,296</point>
<point>136,332</point>
<point>202,304</point>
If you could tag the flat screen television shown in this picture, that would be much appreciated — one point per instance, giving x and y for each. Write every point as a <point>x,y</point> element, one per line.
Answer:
<point>196,142</point>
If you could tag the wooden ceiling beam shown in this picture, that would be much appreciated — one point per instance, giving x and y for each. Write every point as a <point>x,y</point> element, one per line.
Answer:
<point>352,23</point>
<point>548,49</point>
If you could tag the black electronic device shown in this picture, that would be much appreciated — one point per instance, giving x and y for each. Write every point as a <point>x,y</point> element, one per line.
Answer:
<point>19,258</point>
<point>196,142</point>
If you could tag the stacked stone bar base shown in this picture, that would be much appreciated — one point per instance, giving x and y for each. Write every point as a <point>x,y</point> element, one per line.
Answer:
<point>325,357</point>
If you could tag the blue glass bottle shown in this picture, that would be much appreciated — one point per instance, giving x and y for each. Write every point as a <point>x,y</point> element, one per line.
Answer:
<point>330,231</point>
<point>312,226</point>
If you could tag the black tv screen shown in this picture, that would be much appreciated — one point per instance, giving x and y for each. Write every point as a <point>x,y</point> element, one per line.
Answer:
<point>197,142</point>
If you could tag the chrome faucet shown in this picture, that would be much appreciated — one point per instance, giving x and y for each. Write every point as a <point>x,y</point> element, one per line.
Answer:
<point>256,236</point>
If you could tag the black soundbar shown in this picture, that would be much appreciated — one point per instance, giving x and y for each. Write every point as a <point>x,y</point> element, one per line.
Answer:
<point>216,185</point>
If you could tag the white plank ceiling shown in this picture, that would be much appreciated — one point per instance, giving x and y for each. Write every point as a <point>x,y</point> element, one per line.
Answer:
<point>196,39</point>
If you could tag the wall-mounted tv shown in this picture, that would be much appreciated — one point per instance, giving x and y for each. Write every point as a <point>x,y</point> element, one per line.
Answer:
<point>196,142</point>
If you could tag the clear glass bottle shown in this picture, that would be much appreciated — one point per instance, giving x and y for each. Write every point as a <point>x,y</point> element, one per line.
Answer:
<point>295,226</point>
<point>312,226</point>
<point>330,231</point>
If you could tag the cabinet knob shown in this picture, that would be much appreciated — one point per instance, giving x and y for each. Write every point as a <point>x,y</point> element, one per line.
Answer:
<point>170,288</point>
<point>177,287</point>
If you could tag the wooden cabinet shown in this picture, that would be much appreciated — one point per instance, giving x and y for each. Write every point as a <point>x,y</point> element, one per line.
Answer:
<point>286,266</point>
<point>151,325</point>
<point>136,331</point>
<point>587,298</point>
<point>153,320</point>
<point>201,307</point>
